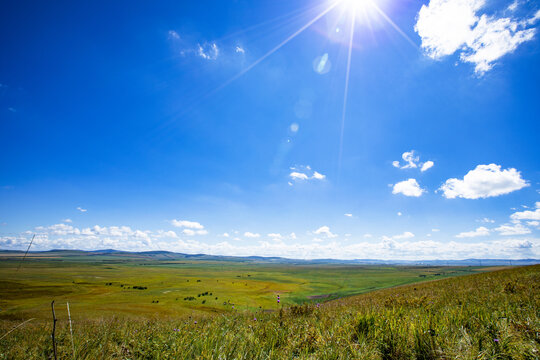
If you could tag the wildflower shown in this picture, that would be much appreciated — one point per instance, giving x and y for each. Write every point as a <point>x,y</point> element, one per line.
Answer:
<point>195,322</point>
<point>254,319</point>
<point>496,340</point>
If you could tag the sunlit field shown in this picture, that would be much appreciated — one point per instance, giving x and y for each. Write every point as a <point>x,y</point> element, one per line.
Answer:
<point>121,286</point>
<point>489,315</point>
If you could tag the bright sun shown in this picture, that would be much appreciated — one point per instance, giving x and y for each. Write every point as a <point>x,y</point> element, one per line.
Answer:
<point>356,4</point>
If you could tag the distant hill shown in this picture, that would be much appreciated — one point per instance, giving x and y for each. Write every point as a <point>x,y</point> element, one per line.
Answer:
<point>168,255</point>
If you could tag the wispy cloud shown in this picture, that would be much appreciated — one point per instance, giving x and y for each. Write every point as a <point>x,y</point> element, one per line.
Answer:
<point>305,173</point>
<point>187,224</point>
<point>481,231</point>
<point>412,161</point>
<point>486,220</point>
<point>173,35</point>
<point>528,214</point>
<point>405,235</point>
<point>81,209</point>
<point>208,51</point>
<point>251,235</point>
<point>513,229</point>
<point>324,230</point>
<point>191,232</point>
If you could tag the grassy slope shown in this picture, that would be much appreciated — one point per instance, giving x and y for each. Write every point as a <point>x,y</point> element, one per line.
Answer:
<point>484,316</point>
<point>28,292</point>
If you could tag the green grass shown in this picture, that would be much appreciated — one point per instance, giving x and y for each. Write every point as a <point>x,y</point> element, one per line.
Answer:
<point>106,287</point>
<point>491,315</point>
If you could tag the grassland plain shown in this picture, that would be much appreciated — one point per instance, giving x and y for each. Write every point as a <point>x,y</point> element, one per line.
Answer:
<point>490,315</point>
<point>133,287</point>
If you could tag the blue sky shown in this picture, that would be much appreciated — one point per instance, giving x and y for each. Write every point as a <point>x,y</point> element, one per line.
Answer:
<point>272,127</point>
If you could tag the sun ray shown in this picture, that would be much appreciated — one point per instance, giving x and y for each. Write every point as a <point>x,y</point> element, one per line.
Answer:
<point>277,47</point>
<point>346,91</point>
<point>392,23</point>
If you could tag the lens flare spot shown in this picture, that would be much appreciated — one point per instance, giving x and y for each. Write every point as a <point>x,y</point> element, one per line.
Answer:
<point>322,64</point>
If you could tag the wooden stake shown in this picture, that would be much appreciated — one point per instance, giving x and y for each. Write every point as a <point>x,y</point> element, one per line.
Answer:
<point>71,332</point>
<point>53,330</point>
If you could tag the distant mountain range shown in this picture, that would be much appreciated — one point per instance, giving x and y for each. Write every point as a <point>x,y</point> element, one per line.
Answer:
<point>167,255</point>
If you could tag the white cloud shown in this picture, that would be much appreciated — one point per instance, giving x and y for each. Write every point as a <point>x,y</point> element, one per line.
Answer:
<point>251,235</point>
<point>515,229</point>
<point>190,232</point>
<point>324,230</point>
<point>492,39</point>
<point>408,188</point>
<point>118,231</point>
<point>368,236</point>
<point>481,231</point>
<point>445,25</point>
<point>483,182</point>
<point>141,234</point>
<point>486,220</point>
<point>294,127</point>
<point>59,229</point>
<point>305,173</point>
<point>513,6</point>
<point>533,223</point>
<point>225,235</point>
<point>208,51</point>
<point>67,221</point>
<point>435,230</point>
<point>348,215</point>
<point>387,248</point>
<point>449,26</point>
<point>173,35</point>
<point>187,224</point>
<point>166,234</point>
<point>526,215</point>
<point>534,19</point>
<point>81,209</point>
<point>240,50</point>
<point>405,235</point>
<point>275,236</point>
<point>427,165</point>
<point>298,176</point>
<point>399,213</point>
<point>412,161</point>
